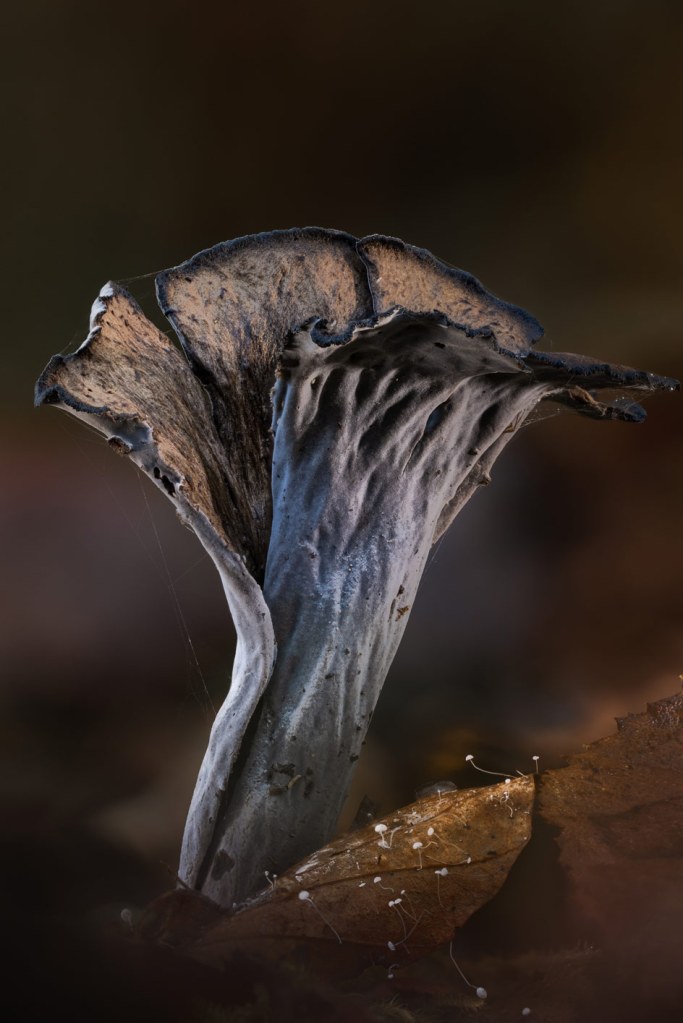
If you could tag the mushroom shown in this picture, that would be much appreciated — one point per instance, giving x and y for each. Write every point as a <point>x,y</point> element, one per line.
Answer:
<point>335,403</point>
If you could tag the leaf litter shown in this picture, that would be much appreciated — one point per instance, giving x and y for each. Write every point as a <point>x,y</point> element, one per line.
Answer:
<point>395,888</point>
<point>617,809</point>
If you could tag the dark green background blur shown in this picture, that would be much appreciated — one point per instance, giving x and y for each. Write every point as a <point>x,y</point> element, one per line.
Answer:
<point>538,146</point>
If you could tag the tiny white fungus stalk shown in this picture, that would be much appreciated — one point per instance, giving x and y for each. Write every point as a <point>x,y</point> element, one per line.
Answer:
<point>305,896</point>
<point>480,992</point>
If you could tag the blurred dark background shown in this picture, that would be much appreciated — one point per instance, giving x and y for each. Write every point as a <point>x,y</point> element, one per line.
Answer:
<point>538,146</point>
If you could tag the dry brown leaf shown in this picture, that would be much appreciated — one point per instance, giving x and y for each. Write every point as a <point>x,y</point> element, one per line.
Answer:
<point>401,885</point>
<point>619,805</point>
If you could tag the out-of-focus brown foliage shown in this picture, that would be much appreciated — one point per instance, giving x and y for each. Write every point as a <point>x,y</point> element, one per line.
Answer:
<point>619,805</point>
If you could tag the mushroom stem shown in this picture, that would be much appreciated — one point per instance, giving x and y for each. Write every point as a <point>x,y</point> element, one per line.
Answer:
<point>357,496</point>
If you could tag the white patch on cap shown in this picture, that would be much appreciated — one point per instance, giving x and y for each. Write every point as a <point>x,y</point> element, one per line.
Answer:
<point>99,307</point>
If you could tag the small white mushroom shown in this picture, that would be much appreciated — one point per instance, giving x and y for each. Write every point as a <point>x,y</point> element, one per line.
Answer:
<point>305,896</point>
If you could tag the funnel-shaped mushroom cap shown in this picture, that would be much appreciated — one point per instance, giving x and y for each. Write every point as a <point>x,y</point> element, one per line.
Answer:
<point>236,307</point>
<point>334,404</point>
